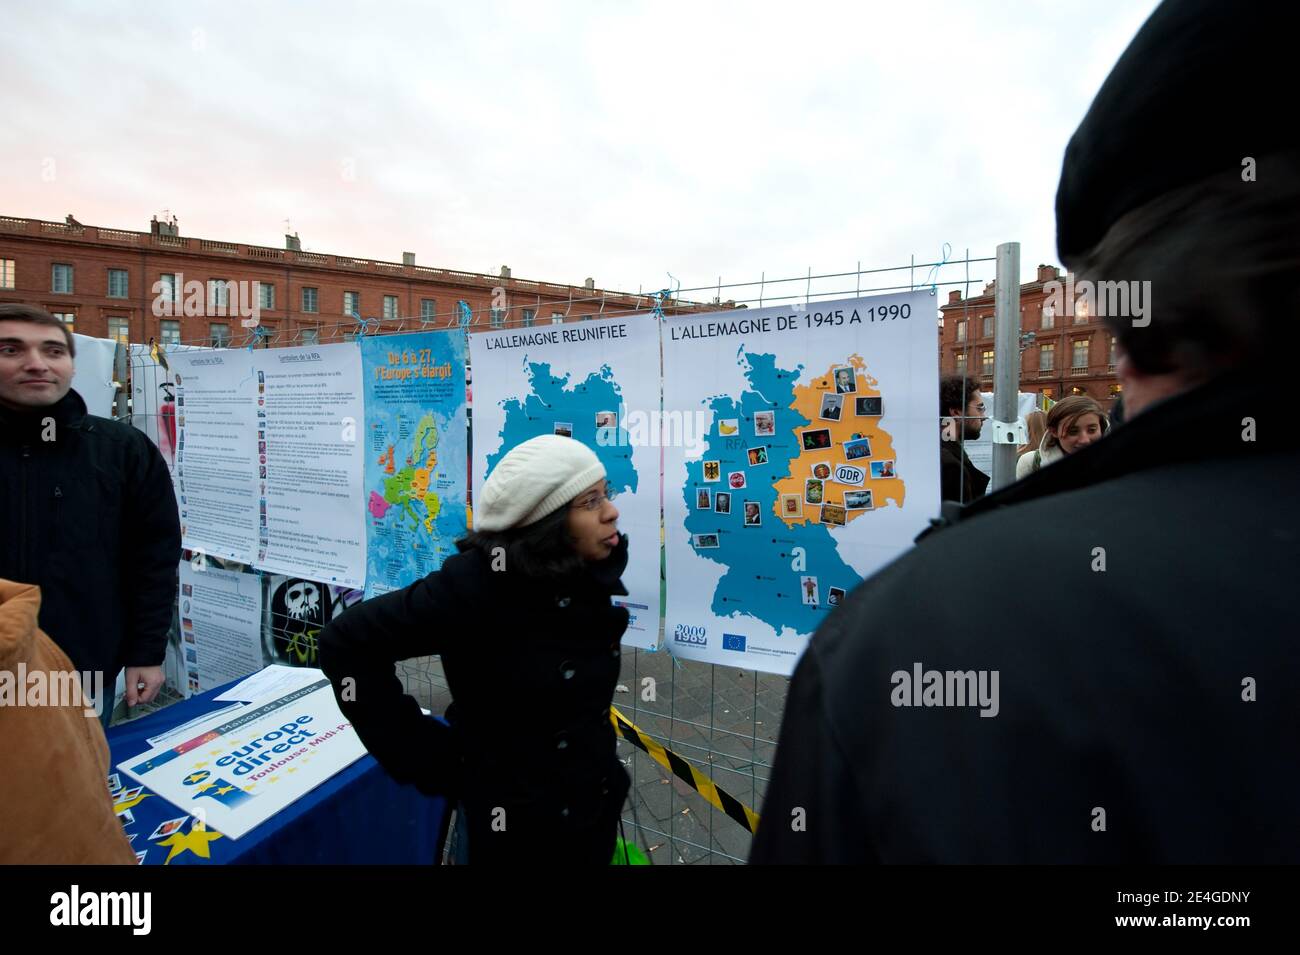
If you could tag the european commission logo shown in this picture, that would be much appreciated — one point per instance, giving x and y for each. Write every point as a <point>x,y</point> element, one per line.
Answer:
<point>733,641</point>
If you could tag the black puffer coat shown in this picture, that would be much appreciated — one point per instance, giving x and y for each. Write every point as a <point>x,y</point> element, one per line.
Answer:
<point>531,667</point>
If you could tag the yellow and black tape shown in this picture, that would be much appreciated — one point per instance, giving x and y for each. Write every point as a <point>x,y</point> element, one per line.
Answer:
<point>702,784</point>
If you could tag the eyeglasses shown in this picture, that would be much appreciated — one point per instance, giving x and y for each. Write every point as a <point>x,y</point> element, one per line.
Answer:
<point>593,502</point>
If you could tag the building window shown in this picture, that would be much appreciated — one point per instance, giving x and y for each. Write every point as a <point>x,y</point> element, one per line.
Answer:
<point>171,332</point>
<point>61,278</point>
<point>169,291</point>
<point>218,295</point>
<point>428,309</point>
<point>986,362</point>
<point>118,283</point>
<point>1049,316</point>
<point>69,319</point>
<point>961,331</point>
<point>265,295</point>
<point>352,303</point>
<point>309,336</point>
<point>219,334</point>
<point>961,363</point>
<point>119,329</point>
<point>1116,391</point>
<point>6,273</point>
<point>1080,359</point>
<point>310,298</point>
<point>988,326</point>
<point>268,332</point>
<point>1112,353</point>
<point>1047,393</point>
<point>557,318</point>
<point>1081,312</point>
<point>1047,357</point>
<point>530,317</point>
<point>390,306</point>
<point>498,317</point>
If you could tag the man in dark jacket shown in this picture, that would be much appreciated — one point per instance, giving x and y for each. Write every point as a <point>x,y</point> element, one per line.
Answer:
<point>87,513</point>
<point>1148,713</point>
<point>962,409</point>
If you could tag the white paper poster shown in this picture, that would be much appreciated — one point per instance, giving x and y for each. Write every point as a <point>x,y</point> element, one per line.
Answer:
<point>92,376</point>
<point>820,464</point>
<point>242,768</point>
<point>216,472</point>
<point>310,502</point>
<point>221,625</point>
<point>598,382</point>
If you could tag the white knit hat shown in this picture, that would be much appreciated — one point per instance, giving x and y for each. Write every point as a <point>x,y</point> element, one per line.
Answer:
<point>534,479</point>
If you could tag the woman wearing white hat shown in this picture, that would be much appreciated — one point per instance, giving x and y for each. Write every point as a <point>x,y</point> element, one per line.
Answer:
<point>529,640</point>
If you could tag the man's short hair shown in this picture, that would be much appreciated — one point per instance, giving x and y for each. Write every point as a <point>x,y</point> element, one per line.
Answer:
<point>954,392</point>
<point>37,316</point>
<point>1223,261</point>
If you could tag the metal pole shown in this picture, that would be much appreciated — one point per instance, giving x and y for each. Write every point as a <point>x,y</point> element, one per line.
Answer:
<point>1006,365</point>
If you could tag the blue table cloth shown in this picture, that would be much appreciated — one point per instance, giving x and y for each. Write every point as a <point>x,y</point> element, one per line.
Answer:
<point>358,816</point>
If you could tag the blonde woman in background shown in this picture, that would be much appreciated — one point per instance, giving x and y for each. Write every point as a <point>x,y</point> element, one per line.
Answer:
<point>1036,422</point>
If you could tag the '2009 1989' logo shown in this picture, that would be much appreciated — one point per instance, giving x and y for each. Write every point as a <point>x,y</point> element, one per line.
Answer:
<point>690,635</point>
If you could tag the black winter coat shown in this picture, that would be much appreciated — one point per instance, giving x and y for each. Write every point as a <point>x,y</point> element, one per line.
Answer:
<point>959,479</point>
<point>1122,691</point>
<point>531,668</point>
<point>90,517</point>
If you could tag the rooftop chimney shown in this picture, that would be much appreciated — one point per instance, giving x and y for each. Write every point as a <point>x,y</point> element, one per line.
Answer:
<point>505,271</point>
<point>168,226</point>
<point>1047,273</point>
<point>590,284</point>
<point>408,258</point>
<point>954,296</point>
<point>293,243</point>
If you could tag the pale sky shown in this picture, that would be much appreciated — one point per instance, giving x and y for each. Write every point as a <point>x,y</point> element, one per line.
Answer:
<point>621,141</point>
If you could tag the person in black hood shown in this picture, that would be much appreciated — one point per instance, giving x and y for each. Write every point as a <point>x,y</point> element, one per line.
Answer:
<point>1157,726</point>
<point>87,513</point>
<point>523,610</point>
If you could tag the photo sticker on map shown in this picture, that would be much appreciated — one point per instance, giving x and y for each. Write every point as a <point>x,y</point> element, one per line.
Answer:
<point>727,427</point>
<point>756,456</point>
<point>835,596</point>
<point>857,449</point>
<point>126,818</point>
<point>858,500</point>
<point>845,382</point>
<point>606,419</point>
<point>816,439</point>
<point>564,429</point>
<point>833,514</point>
<point>821,471</point>
<point>808,590</point>
<point>831,406</point>
<point>791,505</point>
<point>712,471</point>
<point>736,479</point>
<point>702,500</point>
<point>764,424</point>
<point>866,407</point>
<point>705,541</point>
<point>753,514</point>
<point>722,502</point>
<point>165,829</point>
<point>882,469</point>
<point>114,782</point>
<point>813,491</point>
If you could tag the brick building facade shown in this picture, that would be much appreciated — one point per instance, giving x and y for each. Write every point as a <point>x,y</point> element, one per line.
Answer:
<point>105,283</point>
<point>1060,354</point>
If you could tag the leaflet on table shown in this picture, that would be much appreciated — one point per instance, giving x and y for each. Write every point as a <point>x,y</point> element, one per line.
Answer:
<point>237,774</point>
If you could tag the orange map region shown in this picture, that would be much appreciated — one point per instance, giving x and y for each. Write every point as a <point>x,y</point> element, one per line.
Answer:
<point>808,402</point>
